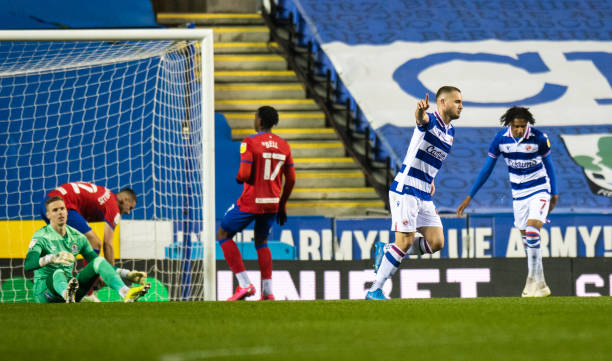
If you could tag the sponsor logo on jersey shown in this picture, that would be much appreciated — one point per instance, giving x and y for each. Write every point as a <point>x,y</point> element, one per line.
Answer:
<point>435,152</point>
<point>243,147</point>
<point>75,249</point>
<point>522,164</point>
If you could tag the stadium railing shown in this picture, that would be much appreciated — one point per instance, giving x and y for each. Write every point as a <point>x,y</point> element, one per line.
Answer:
<point>304,54</point>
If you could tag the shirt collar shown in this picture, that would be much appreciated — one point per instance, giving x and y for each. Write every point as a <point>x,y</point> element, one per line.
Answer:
<point>441,122</point>
<point>525,136</point>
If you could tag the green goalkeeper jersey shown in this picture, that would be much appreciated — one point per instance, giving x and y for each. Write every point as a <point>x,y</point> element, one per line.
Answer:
<point>47,241</point>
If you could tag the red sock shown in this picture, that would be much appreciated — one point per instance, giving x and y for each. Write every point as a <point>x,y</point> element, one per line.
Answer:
<point>232,255</point>
<point>264,257</point>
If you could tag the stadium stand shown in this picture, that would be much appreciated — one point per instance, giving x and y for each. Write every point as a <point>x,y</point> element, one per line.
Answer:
<point>395,69</point>
<point>249,72</point>
<point>77,14</point>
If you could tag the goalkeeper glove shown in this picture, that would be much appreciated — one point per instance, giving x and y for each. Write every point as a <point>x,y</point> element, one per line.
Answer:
<point>132,276</point>
<point>137,277</point>
<point>64,258</point>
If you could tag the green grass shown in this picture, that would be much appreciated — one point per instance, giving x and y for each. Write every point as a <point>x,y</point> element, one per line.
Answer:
<point>556,328</point>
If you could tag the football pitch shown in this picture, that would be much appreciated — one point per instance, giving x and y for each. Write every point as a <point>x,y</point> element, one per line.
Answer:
<point>555,328</point>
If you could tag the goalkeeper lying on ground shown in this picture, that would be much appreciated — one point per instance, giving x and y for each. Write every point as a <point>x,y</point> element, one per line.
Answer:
<point>51,257</point>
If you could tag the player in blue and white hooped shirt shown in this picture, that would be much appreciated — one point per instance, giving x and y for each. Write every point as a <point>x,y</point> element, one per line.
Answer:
<point>526,151</point>
<point>410,193</point>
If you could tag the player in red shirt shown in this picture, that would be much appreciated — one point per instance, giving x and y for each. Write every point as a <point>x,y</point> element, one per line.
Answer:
<point>93,203</point>
<point>88,202</point>
<point>265,159</point>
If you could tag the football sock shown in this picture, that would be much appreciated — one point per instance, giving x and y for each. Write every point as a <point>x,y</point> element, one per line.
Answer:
<point>390,263</point>
<point>266,286</point>
<point>419,247</point>
<point>243,279</point>
<point>107,273</point>
<point>86,277</point>
<point>264,258</point>
<point>89,287</point>
<point>532,243</point>
<point>60,281</point>
<point>232,255</point>
<point>539,271</point>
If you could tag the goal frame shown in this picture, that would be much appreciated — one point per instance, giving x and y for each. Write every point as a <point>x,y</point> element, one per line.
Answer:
<point>205,37</point>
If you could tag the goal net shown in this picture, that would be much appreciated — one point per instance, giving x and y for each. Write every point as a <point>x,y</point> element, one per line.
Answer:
<point>116,108</point>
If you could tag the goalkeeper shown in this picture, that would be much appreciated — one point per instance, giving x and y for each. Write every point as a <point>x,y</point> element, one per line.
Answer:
<point>88,202</point>
<point>51,255</point>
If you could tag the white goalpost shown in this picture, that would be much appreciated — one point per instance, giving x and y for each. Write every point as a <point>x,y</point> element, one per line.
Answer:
<point>118,108</point>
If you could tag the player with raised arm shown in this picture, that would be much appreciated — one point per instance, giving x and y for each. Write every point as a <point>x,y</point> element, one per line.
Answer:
<point>51,255</point>
<point>526,151</point>
<point>265,159</point>
<point>410,193</point>
<point>88,202</point>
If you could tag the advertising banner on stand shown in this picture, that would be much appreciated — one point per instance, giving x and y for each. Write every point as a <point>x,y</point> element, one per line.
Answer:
<point>332,280</point>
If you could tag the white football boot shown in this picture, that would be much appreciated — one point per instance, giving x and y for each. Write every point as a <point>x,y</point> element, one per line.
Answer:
<point>530,288</point>
<point>541,290</point>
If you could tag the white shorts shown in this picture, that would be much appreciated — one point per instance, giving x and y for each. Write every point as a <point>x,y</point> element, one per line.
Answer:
<point>534,207</point>
<point>409,213</point>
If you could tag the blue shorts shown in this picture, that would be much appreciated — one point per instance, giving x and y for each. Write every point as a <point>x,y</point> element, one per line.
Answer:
<point>75,219</point>
<point>235,221</point>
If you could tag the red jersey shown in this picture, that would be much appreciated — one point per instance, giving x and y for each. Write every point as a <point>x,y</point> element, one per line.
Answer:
<point>95,203</point>
<point>270,158</point>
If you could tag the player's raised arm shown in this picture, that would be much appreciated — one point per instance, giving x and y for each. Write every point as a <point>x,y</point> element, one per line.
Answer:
<point>421,111</point>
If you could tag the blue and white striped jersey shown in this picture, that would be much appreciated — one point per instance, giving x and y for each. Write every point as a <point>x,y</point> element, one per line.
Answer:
<point>524,159</point>
<point>428,147</point>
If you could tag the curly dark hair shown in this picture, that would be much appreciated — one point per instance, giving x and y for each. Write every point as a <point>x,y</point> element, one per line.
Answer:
<point>516,112</point>
<point>268,116</point>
